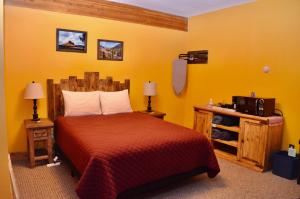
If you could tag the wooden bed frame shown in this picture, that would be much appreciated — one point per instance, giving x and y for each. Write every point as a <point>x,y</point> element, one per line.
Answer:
<point>91,82</point>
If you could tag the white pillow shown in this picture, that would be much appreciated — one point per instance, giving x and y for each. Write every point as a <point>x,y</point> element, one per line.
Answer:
<point>115,102</point>
<point>81,103</point>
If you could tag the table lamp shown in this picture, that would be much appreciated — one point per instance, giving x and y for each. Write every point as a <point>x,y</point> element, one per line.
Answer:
<point>34,92</point>
<point>149,90</point>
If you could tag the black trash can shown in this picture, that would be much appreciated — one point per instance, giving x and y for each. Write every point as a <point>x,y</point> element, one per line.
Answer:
<point>284,165</point>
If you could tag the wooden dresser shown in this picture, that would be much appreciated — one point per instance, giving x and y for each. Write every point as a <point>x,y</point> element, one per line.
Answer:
<point>256,138</point>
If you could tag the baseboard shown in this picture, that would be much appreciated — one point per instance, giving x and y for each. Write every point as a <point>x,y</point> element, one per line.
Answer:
<point>15,189</point>
<point>18,156</point>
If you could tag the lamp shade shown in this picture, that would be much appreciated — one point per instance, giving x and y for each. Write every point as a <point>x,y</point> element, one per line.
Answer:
<point>150,89</point>
<point>33,91</point>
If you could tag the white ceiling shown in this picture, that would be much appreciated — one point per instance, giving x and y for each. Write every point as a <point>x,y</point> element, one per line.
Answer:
<point>184,8</point>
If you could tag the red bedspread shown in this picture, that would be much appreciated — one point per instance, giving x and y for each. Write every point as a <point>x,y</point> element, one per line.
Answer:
<point>117,152</point>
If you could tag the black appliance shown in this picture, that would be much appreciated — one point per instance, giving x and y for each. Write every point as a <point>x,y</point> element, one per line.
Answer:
<point>254,106</point>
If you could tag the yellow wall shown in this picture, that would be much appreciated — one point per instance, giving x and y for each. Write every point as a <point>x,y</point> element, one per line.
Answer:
<point>30,55</point>
<point>240,41</point>
<point>5,191</point>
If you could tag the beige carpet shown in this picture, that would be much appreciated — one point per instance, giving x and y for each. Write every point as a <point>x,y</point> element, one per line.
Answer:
<point>233,182</point>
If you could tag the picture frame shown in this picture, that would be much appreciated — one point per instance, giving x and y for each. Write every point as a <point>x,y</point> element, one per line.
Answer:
<point>111,50</point>
<point>71,40</point>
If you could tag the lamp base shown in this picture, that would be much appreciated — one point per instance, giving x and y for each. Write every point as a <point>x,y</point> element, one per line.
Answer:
<point>36,120</point>
<point>149,109</point>
<point>35,117</point>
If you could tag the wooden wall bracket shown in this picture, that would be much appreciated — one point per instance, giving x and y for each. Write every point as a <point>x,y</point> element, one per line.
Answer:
<point>195,57</point>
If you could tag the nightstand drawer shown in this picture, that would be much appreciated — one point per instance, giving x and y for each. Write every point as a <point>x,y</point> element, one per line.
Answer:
<point>40,133</point>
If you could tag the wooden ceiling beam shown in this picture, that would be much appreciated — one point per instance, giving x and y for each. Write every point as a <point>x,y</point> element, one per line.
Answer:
<point>107,10</point>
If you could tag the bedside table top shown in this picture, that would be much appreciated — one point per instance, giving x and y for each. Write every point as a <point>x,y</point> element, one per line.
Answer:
<point>44,122</point>
<point>154,113</point>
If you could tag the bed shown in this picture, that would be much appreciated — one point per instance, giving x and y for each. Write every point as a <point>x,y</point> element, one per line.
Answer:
<point>118,152</point>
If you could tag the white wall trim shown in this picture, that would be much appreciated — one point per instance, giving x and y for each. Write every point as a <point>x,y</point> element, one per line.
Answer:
<point>13,179</point>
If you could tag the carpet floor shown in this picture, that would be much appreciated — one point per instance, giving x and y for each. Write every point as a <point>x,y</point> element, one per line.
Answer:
<point>233,182</point>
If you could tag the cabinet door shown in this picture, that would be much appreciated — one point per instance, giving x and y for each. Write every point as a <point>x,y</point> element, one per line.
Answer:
<point>253,141</point>
<point>202,122</point>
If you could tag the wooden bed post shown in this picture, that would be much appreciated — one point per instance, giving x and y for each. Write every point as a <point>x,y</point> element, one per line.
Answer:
<point>50,98</point>
<point>127,85</point>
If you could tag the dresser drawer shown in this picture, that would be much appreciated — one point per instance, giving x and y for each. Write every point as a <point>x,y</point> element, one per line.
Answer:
<point>40,133</point>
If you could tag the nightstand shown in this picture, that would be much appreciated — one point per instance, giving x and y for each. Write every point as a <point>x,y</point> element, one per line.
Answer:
<point>156,114</point>
<point>39,132</point>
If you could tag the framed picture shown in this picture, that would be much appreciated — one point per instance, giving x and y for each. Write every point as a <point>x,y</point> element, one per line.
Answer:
<point>110,50</point>
<point>71,40</point>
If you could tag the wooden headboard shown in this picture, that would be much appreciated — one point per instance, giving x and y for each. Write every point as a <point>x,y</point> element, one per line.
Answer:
<point>91,82</point>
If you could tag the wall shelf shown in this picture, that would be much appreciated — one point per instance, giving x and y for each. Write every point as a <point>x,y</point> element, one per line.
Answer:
<point>229,128</point>
<point>233,143</point>
<point>225,155</point>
